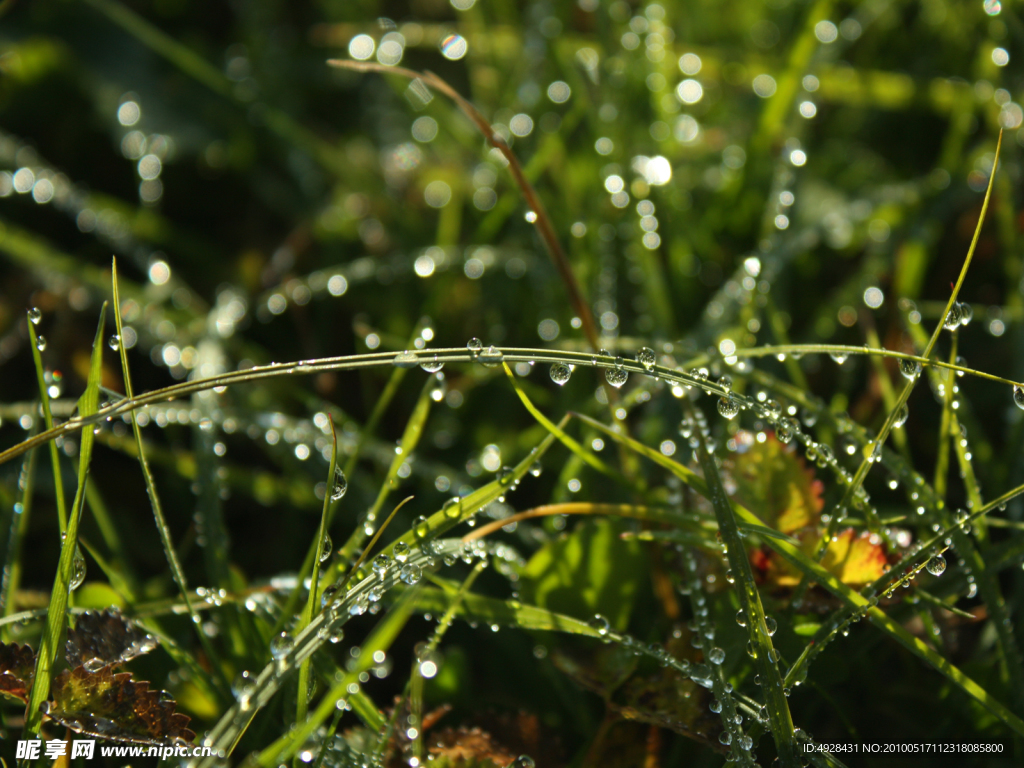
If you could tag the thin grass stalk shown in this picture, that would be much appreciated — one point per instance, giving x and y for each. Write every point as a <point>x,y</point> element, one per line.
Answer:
<point>19,525</point>
<point>44,399</point>
<point>545,228</point>
<point>302,699</point>
<point>154,500</point>
<point>446,355</point>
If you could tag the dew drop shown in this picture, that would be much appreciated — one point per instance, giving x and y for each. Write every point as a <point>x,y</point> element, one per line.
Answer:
<point>536,469</point>
<point>936,566</point>
<point>1018,397</point>
<point>474,346</point>
<point>953,318</point>
<point>600,623</point>
<point>401,551</point>
<point>523,761</point>
<point>328,545</point>
<point>243,684</point>
<point>560,373</point>
<point>741,617</point>
<point>380,564</point>
<point>716,655</point>
<point>77,571</point>
<point>910,369</point>
<point>615,376</point>
<point>966,314</point>
<point>901,416</point>
<point>725,383</point>
<point>420,527</point>
<point>40,343</point>
<point>725,738</point>
<point>839,357</point>
<point>728,407</point>
<point>406,359</point>
<point>35,315</point>
<point>432,366</point>
<point>646,357</point>
<point>410,574</point>
<point>491,358</point>
<point>328,595</point>
<point>280,646</point>
<point>452,508</point>
<point>771,624</point>
<point>114,342</point>
<point>340,485</point>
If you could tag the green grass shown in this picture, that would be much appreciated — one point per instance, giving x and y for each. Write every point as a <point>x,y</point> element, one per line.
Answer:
<point>676,236</point>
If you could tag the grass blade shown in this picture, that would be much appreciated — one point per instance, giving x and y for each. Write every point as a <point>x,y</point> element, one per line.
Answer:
<point>307,612</point>
<point>154,499</point>
<point>44,398</point>
<point>19,524</point>
<point>51,646</point>
<point>780,720</point>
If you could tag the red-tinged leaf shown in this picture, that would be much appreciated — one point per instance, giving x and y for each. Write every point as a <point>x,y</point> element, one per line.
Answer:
<point>776,484</point>
<point>116,708</point>
<point>105,638</point>
<point>17,668</point>
<point>854,559</point>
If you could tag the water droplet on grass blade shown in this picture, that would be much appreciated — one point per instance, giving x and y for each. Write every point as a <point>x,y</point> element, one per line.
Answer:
<point>839,357</point>
<point>77,570</point>
<point>340,485</point>
<point>491,358</point>
<point>35,315</point>
<point>728,407</point>
<point>432,366</point>
<point>716,655</point>
<point>901,416</point>
<point>280,646</point>
<point>953,318</point>
<point>910,369</point>
<point>966,314</point>
<point>599,623</point>
<point>616,376</point>
<point>936,566</point>
<point>474,346</point>
<point>741,617</point>
<point>410,574</point>
<point>452,508</point>
<point>523,761</point>
<point>40,343</point>
<point>1018,396</point>
<point>114,342</point>
<point>771,624</point>
<point>560,373</point>
<point>380,564</point>
<point>328,545</point>
<point>401,551</point>
<point>243,684</point>
<point>405,359</point>
<point>646,357</point>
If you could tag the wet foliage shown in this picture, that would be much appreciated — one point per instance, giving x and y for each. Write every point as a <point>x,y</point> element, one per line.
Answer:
<point>555,383</point>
